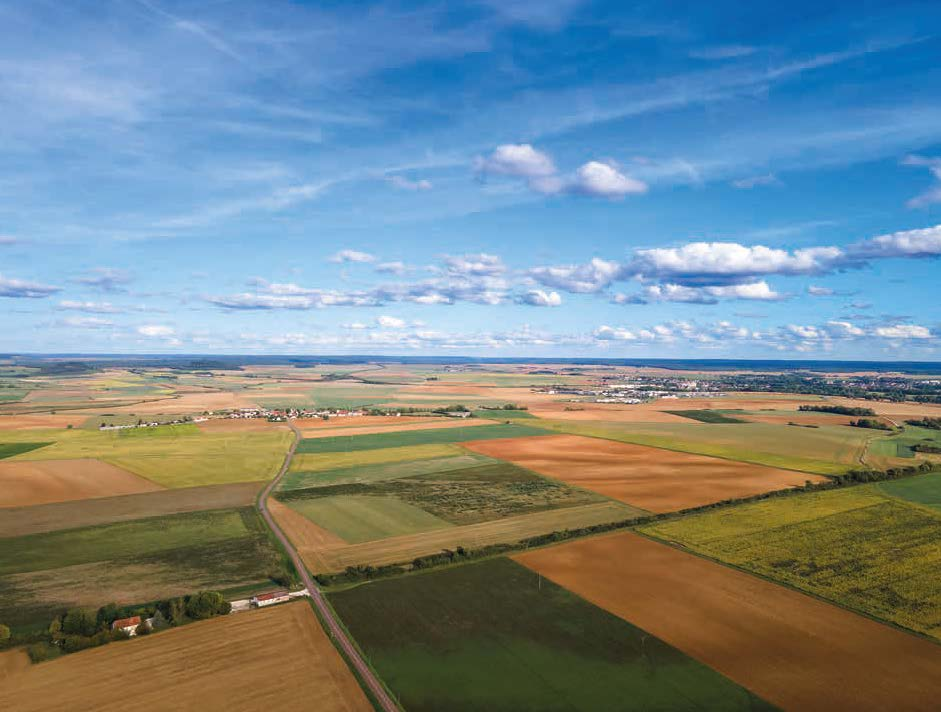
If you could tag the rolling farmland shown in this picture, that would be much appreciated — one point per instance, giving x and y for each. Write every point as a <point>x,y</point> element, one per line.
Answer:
<point>437,436</point>
<point>490,636</point>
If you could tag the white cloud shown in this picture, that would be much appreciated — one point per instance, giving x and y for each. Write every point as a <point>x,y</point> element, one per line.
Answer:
<point>390,322</point>
<point>91,307</point>
<point>21,289</point>
<point>86,322</point>
<point>519,160</point>
<point>106,279</point>
<point>403,183</point>
<point>345,256</point>
<point>815,291</point>
<point>541,298</point>
<point>844,329</point>
<point>755,181</point>
<point>397,267</point>
<point>609,333</point>
<point>720,52</point>
<point>604,180</point>
<point>477,265</point>
<point>156,331</point>
<point>903,331</point>
<point>933,194</point>
<point>924,242</point>
<point>588,278</point>
<point>710,295</point>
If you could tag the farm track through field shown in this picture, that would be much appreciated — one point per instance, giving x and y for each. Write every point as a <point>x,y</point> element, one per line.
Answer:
<point>336,630</point>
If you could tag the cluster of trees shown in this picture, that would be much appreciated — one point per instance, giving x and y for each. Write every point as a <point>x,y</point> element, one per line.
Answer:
<point>871,423</point>
<point>927,447</point>
<point>837,409</point>
<point>931,423</point>
<point>81,628</point>
<point>507,406</point>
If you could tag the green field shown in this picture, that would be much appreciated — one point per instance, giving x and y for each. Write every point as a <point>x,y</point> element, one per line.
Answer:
<point>706,416</point>
<point>858,547</point>
<point>141,560</point>
<point>924,489</point>
<point>884,451</point>
<point>495,636</point>
<point>359,518</point>
<point>13,449</point>
<point>501,414</point>
<point>827,450</point>
<point>469,495</point>
<point>408,438</point>
<point>172,455</point>
<point>375,473</point>
<point>311,464</point>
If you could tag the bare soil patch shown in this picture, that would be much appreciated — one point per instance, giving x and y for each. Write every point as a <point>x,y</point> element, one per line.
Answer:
<point>31,422</point>
<point>792,650</point>
<point>24,483</point>
<point>12,662</point>
<point>19,521</point>
<point>267,659</point>
<point>646,477</point>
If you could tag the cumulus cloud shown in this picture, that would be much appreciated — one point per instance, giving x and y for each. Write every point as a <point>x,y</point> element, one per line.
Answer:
<point>588,278</point>
<point>604,180</point>
<point>759,291</point>
<point>594,178</point>
<point>477,265</point>
<point>390,322</point>
<point>155,331</point>
<point>518,160</point>
<point>903,331</point>
<point>403,183</point>
<point>106,279</point>
<point>22,289</point>
<point>346,256</point>
<point>540,298</point>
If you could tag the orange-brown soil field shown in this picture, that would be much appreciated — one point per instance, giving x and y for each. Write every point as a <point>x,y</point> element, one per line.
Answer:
<point>31,422</point>
<point>794,651</point>
<point>645,477</point>
<point>276,658</point>
<point>25,483</point>
<point>311,540</point>
<point>19,521</point>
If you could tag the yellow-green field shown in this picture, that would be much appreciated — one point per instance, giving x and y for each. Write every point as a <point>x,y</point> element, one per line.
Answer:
<point>315,462</point>
<point>171,456</point>
<point>859,547</point>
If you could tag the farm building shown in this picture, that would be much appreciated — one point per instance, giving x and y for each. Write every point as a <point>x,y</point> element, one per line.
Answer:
<point>269,599</point>
<point>128,625</point>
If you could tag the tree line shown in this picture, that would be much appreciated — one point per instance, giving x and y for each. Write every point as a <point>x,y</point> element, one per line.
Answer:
<point>837,409</point>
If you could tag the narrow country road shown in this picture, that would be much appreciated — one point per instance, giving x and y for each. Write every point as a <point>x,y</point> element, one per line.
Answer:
<point>366,674</point>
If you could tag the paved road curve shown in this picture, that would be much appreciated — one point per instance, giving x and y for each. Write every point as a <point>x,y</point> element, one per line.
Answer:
<point>366,674</point>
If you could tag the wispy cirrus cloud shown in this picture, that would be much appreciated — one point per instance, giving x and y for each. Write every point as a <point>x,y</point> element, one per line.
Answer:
<point>13,288</point>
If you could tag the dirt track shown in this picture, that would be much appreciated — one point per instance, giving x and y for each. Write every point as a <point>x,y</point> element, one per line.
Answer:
<point>793,650</point>
<point>646,477</point>
<point>277,658</point>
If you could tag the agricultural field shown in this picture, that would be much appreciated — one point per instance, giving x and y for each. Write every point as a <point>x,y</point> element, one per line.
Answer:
<point>825,450</point>
<point>131,561</point>
<point>924,489</point>
<point>492,636</point>
<point>792,650</point>
<point>168,456</point>
<point>648,478</point>
<point>860,547</point>
<point>235,662</point>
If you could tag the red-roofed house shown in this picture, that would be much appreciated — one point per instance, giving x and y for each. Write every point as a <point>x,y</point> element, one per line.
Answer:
<point>269,599</point>
<point>128,625</point>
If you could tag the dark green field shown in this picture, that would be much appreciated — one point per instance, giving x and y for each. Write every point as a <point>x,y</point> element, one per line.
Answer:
<point>11,449</point>
<point>706,416</point>
<point>495,636</point>
<point>128,562</point>
<point>923,489</point>
<point>464,496</point>
<point>406,438</point>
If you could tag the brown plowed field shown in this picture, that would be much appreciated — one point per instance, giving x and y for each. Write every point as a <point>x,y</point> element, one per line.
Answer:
<point>646,477</point>
<point>31,422</point>
<point>276,658</point>
<point>508,530</point>
<point>24,483</point>
<point>19,521</point>
<point>790,649</point>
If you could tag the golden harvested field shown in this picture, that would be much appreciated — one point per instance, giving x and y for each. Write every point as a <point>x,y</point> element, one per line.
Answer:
<point>510,529</point>
<point>19,521</point>
<point>24,483</point>
<point>276,658</point>
<point>239,425</point>
<point>434,424</point>
<point>31,422</point>
<point>649,478</point>
<point>612,412</point>
<point>792,650</point>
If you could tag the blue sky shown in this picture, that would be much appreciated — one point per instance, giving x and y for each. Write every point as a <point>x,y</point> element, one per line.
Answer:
<point>486,178</point>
